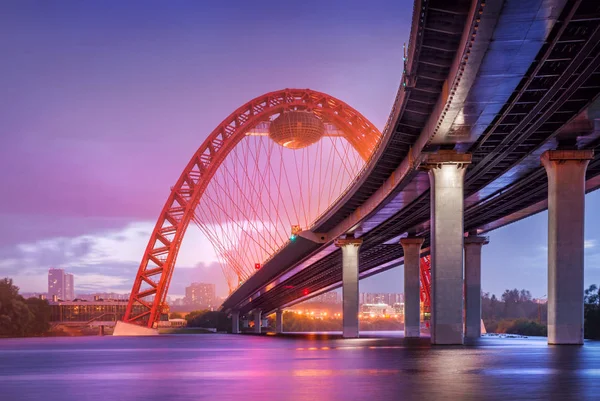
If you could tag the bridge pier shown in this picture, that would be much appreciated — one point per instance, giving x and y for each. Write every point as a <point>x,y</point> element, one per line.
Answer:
<point>279,321</point>
<point>349,248</point>
<point>235,322</point>
<point>446,176</point>
<point>412,290</point>
<point>566,210</point>
<point>473,245</point>
<point>257,321</point>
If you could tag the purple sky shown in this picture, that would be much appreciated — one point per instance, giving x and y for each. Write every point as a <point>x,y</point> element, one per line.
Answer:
<point>103,103</point>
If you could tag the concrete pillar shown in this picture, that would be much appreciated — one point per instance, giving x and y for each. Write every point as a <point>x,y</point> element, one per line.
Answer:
<point>235,322</point>
<point>349,248</point>
<point>446,177</point>
<point>412,288</point>
<point>245,323</point>
<point>566,204</point>
<point>279,321</point>
<point>473,245</point>
<point>257,321</point>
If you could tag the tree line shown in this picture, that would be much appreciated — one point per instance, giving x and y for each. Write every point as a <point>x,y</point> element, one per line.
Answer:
<point>517,313</point>
<point>20,317</point>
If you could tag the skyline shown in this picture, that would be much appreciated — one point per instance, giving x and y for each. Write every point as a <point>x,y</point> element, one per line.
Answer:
<point>96,96</point>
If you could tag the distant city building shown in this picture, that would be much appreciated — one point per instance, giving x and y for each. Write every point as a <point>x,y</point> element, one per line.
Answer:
<point>201,295</point>
<point>177,302</point>
<point>61,285</point>
<point>398,308</point>
<point>86,311</point>
<point>327,298</point>
<point>104,296</point>
<point>69,287</point>
<point>378,309</point>
<point>56,284</point>
<point>380,298</point>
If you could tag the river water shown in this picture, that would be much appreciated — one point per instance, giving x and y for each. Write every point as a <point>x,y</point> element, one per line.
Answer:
<point>246,367</point>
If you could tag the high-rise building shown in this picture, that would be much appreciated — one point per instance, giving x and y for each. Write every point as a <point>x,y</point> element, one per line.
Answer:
<point>69,287</point>
<point>61,285</point>
<point>201,295</point>
<point>56,283</point>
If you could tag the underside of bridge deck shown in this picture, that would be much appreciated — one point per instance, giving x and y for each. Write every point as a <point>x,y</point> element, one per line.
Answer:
<point>506,177</point>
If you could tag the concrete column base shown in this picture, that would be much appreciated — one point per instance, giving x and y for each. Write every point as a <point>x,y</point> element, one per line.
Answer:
<point>123,329</point>
<point>257,321</point>
<point>446,176</point>
<point>349,247</point>
<point>279,321</point>
<point>566,213</point>
<point>235,322</point>
<point>412,287</point>
<point>473,322</point>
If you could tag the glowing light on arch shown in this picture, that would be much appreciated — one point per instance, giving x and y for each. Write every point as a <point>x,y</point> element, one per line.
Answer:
<point>193,197</point>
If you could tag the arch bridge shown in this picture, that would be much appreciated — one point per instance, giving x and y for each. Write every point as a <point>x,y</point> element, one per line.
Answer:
<point>496,119</point>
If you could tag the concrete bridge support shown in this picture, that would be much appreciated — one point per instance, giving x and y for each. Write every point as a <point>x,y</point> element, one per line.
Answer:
<point>566,207</point>
<point>235,322</point>
<point>350,248</point>
<point>446,176</point>
<point>279,321</point>
<point>412,290</point>
<point>257,321</point>
<point>473,245</point>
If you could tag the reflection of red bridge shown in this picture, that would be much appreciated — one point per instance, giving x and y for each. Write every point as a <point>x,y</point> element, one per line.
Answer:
<point>488,90</point>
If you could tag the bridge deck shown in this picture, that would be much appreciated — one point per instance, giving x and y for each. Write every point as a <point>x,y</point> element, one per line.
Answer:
<point>554,92</point>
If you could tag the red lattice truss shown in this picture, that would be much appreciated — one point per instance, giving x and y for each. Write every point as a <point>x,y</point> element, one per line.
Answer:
<point>425,272</point>
<point>156,268</point>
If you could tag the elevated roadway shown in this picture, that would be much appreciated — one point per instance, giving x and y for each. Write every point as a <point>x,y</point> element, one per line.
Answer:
<point>504,81</point>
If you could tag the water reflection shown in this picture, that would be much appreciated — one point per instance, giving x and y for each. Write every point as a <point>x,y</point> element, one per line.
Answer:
<point>226,367</point>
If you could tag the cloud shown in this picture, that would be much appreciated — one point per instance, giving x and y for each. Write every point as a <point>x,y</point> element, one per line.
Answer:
<point>124,245</point>
<point>103,261</point>
<point>589,243</point>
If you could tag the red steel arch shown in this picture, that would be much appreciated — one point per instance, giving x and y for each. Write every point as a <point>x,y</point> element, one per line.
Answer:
<point>156,268</point>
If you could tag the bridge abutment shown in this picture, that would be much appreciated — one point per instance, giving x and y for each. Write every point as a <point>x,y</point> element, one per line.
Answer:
<point>446,176</point>
<point>566,209</point>
<point>473,245</point>
<point>349,247</point>
<point>412,290</point>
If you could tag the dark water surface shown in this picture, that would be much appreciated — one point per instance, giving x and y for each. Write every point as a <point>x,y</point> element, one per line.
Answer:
<point>243,367</point>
